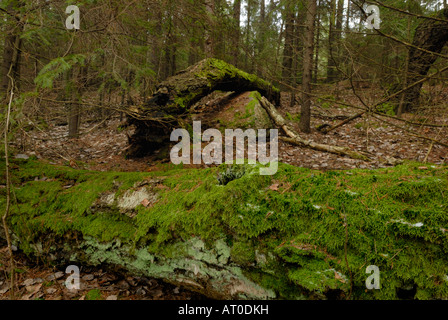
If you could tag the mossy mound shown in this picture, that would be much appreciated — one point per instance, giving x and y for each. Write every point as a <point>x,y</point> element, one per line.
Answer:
<point>298,234</point>
<point>245,112</point>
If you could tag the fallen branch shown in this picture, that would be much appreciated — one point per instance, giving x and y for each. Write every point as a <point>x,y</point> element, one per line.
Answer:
<point>413,133</point>
<point>373,109</point>
<point>295,138</point>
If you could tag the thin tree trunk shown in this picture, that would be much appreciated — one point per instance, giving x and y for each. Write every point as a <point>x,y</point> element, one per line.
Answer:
<point>405,71</point>
<point>331,64</point>
<point>289,44</point>
<point>347,18</point>
<point>248,32</point>
<point>237,32</point>
<point>156,43</point>
<point>11,59</point>
<point>209,41</point>
<point>317,45</point>
<point>72,108</point>
<point>338,36</point>
<point>305,118</point>
<point>262,28</point>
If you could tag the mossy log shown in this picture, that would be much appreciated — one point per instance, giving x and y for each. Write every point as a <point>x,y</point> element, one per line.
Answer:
<point>300,234</point>
<point>169,107</point>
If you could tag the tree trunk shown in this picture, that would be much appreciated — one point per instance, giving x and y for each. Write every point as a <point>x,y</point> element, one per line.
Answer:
<point>156,46</point>
<point>305,118</point>
<point>249,47</point>
<point>237,32</point>
<point>170,47</point>
<point>338,36</point>
<point>71,106</point>
<point>209,33</point>
<point>288,51</point>
<point>331,63</point>
<point>11,56</point>
<point>405,71</point>
<point>431,36</point>
<point>317,45</point>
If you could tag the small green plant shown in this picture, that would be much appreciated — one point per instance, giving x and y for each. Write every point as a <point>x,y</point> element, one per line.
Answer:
<point>230,173</point>
<point>291,117</point>
<point>94,294</point>
<point>387,108</point>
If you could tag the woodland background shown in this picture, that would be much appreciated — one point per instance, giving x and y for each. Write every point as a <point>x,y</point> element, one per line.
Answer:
<point>69,93</point>
<point>124,48</point>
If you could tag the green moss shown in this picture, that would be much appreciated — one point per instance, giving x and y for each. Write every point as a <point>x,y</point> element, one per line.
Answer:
<point>217,69</point>
<point>94,294</point>
<point>394,218</point>
<point>243,253</point>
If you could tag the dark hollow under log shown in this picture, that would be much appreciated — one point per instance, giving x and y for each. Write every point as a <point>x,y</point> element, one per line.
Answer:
<point>169,107</point>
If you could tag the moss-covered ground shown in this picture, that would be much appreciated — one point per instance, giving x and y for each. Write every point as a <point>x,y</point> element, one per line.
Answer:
<point>300,230</point>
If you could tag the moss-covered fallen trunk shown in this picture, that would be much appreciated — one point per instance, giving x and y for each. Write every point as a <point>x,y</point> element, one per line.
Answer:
<point>298,234</point>
<point>169,107</point>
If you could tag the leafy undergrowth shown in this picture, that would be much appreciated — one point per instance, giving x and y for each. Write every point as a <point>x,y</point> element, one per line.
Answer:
<point>301,228</point>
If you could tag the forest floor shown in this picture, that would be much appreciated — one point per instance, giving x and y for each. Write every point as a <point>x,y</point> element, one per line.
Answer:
<point>101,146</point>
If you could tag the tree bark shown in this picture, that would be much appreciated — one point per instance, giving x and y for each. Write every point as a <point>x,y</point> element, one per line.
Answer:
<point>288,51</point>
<point>305,118</point>
<point>72,107</point>
<point>431,36</point>
<point>237,32</point>
<point>11,55</point>
<point>331,63</point>
<point>317,46</point>
<point>209,40</point>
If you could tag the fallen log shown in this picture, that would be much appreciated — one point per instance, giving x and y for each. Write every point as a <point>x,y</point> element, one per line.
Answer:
<point>295,138</point>
<point>294,235</point>
<point>169,107</point>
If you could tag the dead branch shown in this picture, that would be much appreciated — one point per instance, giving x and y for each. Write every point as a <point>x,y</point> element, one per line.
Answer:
<point>295,138</point>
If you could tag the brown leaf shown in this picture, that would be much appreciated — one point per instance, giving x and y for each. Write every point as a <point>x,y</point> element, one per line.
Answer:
<point>274,187</point>
<point>145,203</point>
<point>33,290</point>
<point>338,277</point>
